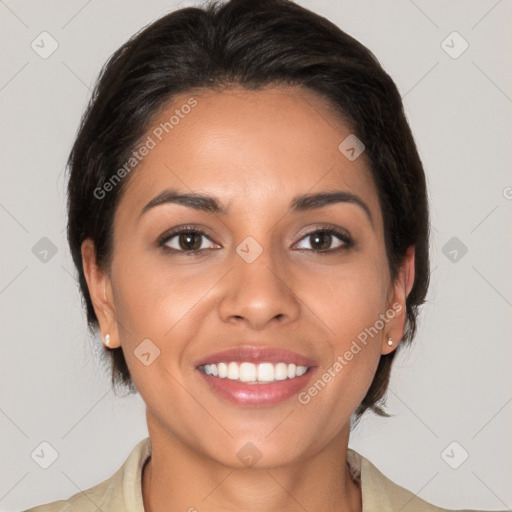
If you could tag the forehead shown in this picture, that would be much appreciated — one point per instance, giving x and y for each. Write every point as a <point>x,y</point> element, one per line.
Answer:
<point>252,149</point>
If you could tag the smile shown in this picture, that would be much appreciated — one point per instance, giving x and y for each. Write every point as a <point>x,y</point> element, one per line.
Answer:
<point>255,376</point>
<point>251,373</point>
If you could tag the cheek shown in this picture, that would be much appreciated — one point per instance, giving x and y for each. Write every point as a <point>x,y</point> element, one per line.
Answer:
<point>152,295</point>
<point>148,285</point>
<point>349,299</point>
<point>161,302</point>
<point>350,304</point>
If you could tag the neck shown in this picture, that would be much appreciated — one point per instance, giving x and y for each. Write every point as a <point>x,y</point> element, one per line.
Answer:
<point>177,478</point>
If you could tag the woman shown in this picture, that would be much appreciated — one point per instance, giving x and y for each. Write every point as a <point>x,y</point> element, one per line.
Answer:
<point>248,216</point>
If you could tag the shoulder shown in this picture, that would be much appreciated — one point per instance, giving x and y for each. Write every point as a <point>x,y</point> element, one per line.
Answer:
<point>122,491</point>
<point>380,494</point>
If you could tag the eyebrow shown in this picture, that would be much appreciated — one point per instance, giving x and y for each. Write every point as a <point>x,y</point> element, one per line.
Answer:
<point>300,203</point>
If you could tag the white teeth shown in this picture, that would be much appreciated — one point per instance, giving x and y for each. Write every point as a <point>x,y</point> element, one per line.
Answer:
<point>253,373</point>
<point>223,369</point>
<point>281,371</point>
<point>301,370</point>
<point>233,371</point>
<point>265,372</point>
<point>247,372</point>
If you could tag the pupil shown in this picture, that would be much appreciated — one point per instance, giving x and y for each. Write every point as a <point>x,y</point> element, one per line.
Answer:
<point>319,245</point>
<point>186,241</point>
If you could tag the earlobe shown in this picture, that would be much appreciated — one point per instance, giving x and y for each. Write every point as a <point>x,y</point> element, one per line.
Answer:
<point>97,283</point>
<point>388,346</point>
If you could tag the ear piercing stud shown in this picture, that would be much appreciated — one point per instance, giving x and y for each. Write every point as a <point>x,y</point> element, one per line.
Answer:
<point>107,339</point>
<point>390,342</point>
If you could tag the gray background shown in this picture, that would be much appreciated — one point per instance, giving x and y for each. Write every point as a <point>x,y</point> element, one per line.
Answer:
<point>455,382</point>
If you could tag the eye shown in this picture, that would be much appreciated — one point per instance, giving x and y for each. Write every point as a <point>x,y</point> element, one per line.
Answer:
<point>190,241</point>
<point>186,240</point>
<point>320,240</point>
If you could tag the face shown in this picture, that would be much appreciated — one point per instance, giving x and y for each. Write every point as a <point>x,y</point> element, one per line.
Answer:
<point>260,267</point>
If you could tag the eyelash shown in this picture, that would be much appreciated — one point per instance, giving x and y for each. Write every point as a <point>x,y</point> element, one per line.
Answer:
<point>343,236</point>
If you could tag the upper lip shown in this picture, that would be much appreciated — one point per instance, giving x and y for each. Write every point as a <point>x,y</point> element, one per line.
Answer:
<point>254,354</point>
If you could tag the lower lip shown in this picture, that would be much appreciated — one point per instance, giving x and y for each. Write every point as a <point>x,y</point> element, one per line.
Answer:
<point>257,395</point>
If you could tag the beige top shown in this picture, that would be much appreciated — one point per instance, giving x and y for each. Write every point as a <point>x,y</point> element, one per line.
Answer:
<point>123,490</point>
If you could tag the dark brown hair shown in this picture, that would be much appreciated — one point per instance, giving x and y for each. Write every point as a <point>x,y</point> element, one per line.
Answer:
<point>252,44</point>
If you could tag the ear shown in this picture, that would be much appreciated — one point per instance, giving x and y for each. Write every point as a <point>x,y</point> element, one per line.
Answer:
<point>395,328</point>
<point>100,290</point>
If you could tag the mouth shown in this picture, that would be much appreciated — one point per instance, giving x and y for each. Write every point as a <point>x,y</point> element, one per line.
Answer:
<point>256,376</point>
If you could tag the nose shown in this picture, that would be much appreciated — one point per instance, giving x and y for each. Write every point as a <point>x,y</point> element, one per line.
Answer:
<point>258,293</point>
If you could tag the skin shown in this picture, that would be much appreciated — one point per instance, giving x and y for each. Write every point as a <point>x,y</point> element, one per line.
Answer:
<point>254,151</point>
